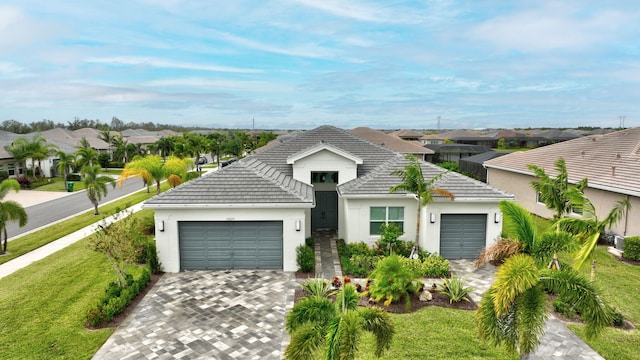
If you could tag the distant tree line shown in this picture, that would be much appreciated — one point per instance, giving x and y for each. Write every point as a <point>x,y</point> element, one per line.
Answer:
<point>116,124</point>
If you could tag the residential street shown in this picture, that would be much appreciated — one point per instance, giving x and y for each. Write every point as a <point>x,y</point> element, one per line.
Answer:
<point>53,210</point>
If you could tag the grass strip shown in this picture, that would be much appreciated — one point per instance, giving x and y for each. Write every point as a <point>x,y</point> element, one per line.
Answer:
<point>30,242</point>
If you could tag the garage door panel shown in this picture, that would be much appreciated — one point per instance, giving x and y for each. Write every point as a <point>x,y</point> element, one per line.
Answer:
<point>230,245</point>
<point>462,236</point>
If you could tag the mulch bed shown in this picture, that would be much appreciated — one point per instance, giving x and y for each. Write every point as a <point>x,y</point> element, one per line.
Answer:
<point>400,307</point>
<point>118,319</point>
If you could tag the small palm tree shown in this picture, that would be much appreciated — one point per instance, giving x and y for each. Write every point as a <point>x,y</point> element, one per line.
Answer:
<point>412,180</point>
<point>316,322</point>
<point>86,155</point>
<point>513,311</point>
<point>553,190</point>
<point>65,161</point>
<point>588,227</point>
<point>10,210</point>
<point>95,184</point>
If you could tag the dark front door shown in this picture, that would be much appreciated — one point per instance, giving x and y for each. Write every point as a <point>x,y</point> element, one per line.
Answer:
<point>325,214</point>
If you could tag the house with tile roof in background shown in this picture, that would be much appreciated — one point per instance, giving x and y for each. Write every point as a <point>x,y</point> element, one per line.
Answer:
<point>611,163</point>
<point>254,213</point>
<point>393,142</point>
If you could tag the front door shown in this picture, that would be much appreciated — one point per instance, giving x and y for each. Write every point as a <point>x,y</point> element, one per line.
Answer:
<point>325,214</point>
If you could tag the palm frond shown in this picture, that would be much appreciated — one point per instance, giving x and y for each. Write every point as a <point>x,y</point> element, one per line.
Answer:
<point>305,342</point>
<point>497,330</point>
<point>347,298</point>
<point>343,337</point>
<point>520,225</point>
<point>575,289</point>
<point>498,252</point>
<point>532,314</point>
<point>310,310</point>
<point>553,242</point>
<point>586,251</point>
<point>518,274</point>
<point>378,322</point>
<point>617,212</point>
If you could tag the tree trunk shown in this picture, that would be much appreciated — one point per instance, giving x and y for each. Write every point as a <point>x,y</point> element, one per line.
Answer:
<point>4,244</point>
<point>593,270</point>
<point>95,208</point>
<point>158,187</point>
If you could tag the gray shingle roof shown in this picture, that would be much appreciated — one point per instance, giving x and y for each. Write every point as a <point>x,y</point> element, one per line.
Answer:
<point>380,180</point>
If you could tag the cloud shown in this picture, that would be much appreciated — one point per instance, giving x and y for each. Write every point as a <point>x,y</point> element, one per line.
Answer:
<point>549,28</point>
<point>308,50</point>
<point>159,63</point>
<point>19,30</point>
<point>356,11</point>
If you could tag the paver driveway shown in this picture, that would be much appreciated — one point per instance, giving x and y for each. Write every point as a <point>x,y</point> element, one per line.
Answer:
<point>235,314</point>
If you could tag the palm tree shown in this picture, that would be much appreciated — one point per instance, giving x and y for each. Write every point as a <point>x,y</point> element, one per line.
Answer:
<point>317,322</point>
<point>150,168</point>
<point>86,155</point>
<point>106,136</point>
<point>552,191</point>
<point>19,150</point>
<point>412,180</point>
<point>588,227</point>
<point>95,184</point>
<point>197,145</point>
<point>165,145</point>
<point>65,161</point>
<point>175,170</point>
<point>513,311</point>
<point>10,210</point>
<point>215,144</point>
<point>39,149</point>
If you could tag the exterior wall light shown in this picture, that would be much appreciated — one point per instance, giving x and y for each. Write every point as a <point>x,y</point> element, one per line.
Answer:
<point>432,218</point>
<point>161,226</point>
<point>298,225</point>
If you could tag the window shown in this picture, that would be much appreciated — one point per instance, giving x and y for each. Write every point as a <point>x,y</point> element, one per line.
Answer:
<point>576,210</point>
<point>538,198</point>
<point>324,177</point>
<point>385,215</point>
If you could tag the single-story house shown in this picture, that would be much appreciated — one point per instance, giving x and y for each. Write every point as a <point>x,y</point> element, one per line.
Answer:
<point>255,212</point>
<point>393,142</point>
<point>473,165</point>
<point>453,152</point>
<point>610,162</point>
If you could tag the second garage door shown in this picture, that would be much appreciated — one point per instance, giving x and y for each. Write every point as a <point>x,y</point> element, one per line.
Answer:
<point>230,245</point>
<point>462,236</point>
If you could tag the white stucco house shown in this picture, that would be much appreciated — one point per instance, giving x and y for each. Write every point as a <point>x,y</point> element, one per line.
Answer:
<point>254,213</point>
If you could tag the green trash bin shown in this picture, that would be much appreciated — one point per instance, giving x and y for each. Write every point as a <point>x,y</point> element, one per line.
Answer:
<point>69,186</point>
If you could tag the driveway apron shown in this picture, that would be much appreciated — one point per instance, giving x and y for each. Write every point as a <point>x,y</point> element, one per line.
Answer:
<point>235,314</point>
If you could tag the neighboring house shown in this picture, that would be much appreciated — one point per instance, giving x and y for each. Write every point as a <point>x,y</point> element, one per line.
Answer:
<point>554,136</point>
<point>453,152</point>
<point>514,139</point>
<point>255,212</point>
<point>473,165</point>
<point>392,142</point>
<point>7,162</point>
<point>469,137</point>
<point>409,135</point>
<point>611,162</point>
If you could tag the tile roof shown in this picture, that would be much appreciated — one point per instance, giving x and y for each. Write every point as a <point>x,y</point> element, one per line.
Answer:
<point>381,180</point>
<point>610,162</point>
<point>389,141</point>
<point>266,178</point>
<point>405,133</point>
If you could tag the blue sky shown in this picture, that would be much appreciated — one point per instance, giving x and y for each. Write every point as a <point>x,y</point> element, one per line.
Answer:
<point>297,64</point>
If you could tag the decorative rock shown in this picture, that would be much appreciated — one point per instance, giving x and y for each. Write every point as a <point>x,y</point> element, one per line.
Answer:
<point>425,296</point>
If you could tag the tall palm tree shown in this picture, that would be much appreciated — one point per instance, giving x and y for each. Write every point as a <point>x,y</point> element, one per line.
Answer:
<point>588,227</point>
<point>215,142</point>
<point>197,145</point>
<point>513,311</point>
<point>10,210</point>
<point>19,150</point>
<point>39,149</point>
<point>106,136</point>
<point>165,145</point>
<point>95,184</point>
<point>65,161</point>
<point>316,322</point>
<point>413,181</point>
<point>552,191</point>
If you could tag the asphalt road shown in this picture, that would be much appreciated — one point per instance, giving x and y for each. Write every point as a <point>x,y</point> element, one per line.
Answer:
<point>54,210</point>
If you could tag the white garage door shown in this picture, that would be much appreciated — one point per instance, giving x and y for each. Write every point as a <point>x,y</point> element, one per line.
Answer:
<point>230,245</point>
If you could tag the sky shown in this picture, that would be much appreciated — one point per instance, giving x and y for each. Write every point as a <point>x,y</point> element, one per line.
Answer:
<point>298,64</point>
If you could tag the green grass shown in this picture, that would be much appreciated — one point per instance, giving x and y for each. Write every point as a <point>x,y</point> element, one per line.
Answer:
<point>111,171</point>
<point>51,233</point>
<point>620,286</point>
<point>44,305</point>
<point>434,333</point>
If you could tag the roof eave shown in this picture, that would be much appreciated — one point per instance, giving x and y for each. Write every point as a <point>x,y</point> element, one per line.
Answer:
<point>228,206</point>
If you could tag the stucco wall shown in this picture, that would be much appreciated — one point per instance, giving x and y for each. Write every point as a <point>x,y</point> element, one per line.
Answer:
<point>324,160</point>
<point>167,241</point>
<point>518,185</point>
<point>357,213</point>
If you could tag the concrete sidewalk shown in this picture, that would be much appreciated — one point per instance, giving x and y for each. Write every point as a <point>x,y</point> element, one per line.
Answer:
<point>40,253</point>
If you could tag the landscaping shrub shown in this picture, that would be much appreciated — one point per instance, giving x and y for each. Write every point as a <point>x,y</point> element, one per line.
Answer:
<point>116,299</point>
<point>392,281</point>
<point>455,289</point>
<point>319,288</point>
<point>388,242</point>
<point>153,262</point>
<point>74,177</point>
<point>305,258</point>
<point>617,319</point>
<point>310,242</point>
<point>192,175</point>
<point>563,308</point>
<point>4,175</point>
<point>116,164</point>
<point>24,181</point>
<point>435,266</point>
<point>632,248</point>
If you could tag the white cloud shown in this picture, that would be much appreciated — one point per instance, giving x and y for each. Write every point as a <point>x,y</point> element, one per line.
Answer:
<point>18,29</point>
<point>308,50</point>
<point>358,11</point>
<point>147,61</point>
<point>549,28</point>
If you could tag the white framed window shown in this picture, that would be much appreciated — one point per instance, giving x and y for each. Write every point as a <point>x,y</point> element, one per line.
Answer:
<point>538,196</point>
<point>379,215</point>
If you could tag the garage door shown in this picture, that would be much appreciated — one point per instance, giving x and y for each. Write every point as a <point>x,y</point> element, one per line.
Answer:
<point>462,236</point>
<point>230,245</point>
